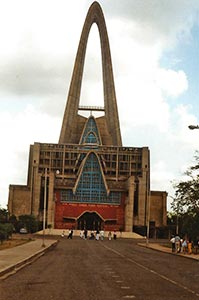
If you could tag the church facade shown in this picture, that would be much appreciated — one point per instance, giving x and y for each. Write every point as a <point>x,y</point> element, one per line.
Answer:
<point>89,179</point>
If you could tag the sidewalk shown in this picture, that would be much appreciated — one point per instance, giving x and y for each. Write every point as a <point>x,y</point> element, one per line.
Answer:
<point>159,247</point>
<point>14,258</point>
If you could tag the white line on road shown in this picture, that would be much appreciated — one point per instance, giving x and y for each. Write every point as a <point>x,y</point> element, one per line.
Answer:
<point>152,271</point>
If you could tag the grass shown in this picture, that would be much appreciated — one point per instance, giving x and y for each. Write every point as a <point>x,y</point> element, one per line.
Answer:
<point>13,243</point>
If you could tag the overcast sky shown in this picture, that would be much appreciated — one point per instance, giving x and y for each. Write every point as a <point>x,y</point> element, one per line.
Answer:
<point>154,46</point>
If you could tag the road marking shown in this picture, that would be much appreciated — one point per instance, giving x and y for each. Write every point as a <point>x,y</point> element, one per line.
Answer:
<point>153,271</point>
<point>129,297</point>
<point>125,287</point>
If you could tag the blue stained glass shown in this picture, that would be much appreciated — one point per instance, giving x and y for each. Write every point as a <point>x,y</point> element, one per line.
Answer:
<point>91,187</point>
<point>90,134</point>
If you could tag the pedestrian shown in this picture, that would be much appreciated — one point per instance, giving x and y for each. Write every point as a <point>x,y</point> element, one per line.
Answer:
<point>184,246</point>
<point>92,236</point>
<point>109,236</point>
<point>172,240</point>
<point>195,245</point>
<point>102,235</point>
<point>97,236</point>
<point>85,233</point>
<point>70,236</point>
<point>114,235</point>
<point>177,244</point>
<point>189,246</point>
<point>81,234</point>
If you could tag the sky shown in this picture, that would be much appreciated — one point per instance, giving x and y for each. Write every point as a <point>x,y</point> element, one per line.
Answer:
<point>154,48</point>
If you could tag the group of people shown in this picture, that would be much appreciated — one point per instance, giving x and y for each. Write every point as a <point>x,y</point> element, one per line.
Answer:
<point>96,235</point>
<point>92,235</point>
<point>184,245</point>
<point>70,234</point>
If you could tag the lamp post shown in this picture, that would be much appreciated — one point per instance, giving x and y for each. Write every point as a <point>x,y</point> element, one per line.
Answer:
<point>148,204</point>
<point>193,127</point>
<point>148,218</point>
<point>44,214</point>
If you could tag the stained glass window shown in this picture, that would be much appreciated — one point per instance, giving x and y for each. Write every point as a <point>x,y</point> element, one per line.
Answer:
<point>91,187</point>
<point>90,134</point>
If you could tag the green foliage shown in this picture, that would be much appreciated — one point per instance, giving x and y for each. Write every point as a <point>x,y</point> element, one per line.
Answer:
<point>11,224</point>
<point>187,192</point>
<point>29,222</point>
<point>6,231</point>
<point>185,204</point>
<point>3,215</point>
<point>189,225</point>
<point>13,220</point>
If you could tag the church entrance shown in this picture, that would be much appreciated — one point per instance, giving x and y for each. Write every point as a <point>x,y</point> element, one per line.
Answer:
<point>90,221</point>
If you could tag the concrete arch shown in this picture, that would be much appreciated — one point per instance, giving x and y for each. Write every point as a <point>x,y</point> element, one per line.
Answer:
<point>94,15</point>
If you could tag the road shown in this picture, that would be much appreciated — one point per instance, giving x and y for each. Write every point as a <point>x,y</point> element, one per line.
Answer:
<point>104,270</point>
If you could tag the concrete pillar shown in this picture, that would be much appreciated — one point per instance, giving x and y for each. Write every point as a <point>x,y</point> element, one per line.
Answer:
<point>51,203</point>
<point>36,194</point>
<point>129,205</point>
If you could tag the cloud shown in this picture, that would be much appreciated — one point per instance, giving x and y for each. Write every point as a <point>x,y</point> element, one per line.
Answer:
<point>173,83</point>
<point>19,130</point>
<point>166,21</point>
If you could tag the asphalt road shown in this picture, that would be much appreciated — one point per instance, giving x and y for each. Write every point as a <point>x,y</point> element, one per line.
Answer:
<point>104,270</point>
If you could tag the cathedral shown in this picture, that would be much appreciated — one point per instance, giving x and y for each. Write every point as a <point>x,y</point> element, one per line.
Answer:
<point>89,180</point>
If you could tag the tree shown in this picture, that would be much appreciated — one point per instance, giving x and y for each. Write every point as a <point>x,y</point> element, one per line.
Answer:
<point>3,215</point>
<point>29,222</point>
<point>5,231</point>
<point>187,192</point>
<point>13,220</point>
<point>185,204</point>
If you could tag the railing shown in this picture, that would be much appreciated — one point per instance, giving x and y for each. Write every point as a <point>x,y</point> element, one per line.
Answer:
<point>92,108</point>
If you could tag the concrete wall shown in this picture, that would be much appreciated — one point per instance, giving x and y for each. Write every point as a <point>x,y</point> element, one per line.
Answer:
<point>158,213</point>
<point>19,200</point>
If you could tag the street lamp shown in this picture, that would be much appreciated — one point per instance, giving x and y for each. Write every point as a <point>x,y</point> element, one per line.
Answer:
<point>193,127</point>
<point>148,218</point>
<point>44,215</point>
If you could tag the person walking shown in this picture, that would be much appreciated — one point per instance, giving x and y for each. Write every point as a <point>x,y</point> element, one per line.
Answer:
<point>85,233</point>
<point>173,247</point>
<point>70,236</point>
<point>102,235</point>
<point>97,236</point>
<point>189,246</point>
<point>184,246</point>
<point>177,244</point>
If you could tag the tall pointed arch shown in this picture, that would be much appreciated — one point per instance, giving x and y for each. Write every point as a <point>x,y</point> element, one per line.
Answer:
<point>94,15</point>
<point>90,128</point>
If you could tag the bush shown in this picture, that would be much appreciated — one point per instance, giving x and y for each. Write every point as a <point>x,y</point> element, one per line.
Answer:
<point>29,222</point>
<point>6,231</point>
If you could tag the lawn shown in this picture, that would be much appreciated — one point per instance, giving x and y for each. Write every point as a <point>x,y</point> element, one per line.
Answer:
<point>12,243</point>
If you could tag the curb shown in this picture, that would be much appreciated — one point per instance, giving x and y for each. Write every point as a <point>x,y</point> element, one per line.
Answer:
<point>168,252</point>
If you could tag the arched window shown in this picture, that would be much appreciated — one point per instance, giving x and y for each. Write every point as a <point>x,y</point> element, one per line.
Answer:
<point>90,134</point>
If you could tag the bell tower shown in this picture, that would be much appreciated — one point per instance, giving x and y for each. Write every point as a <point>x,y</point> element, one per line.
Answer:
<point>72,122</point>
